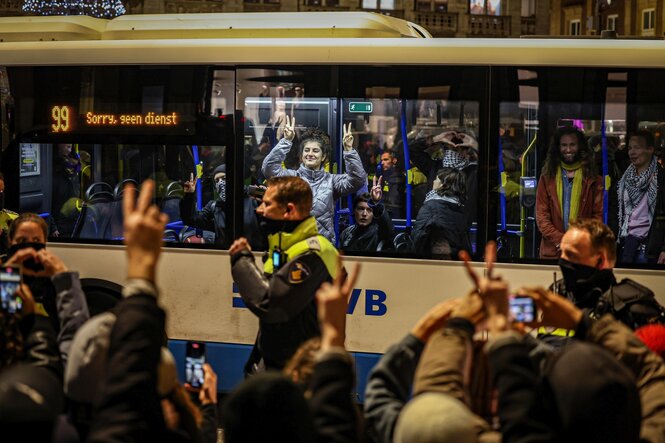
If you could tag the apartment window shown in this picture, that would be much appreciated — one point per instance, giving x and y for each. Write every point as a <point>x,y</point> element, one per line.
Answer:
<point>379,4</point>
<point>648,21</point>
<point>528,8</point>
<point>485,7</point>
<point>575,27</point>
<point>612,22</point>
<point>432,5</point>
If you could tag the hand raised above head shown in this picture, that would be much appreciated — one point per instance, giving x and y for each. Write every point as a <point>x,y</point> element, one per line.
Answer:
<point>289,128</point>
<point>190,185</point>
<point>492,289</point>
<point>377,190</point>
<point>332,300</point>
<point>347,137</point>
<point>144,226</point>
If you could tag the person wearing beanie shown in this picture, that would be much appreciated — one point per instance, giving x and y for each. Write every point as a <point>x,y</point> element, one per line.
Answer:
<point>212,217</point>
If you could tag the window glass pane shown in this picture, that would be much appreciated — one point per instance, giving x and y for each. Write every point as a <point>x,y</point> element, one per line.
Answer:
<point>408,134</point>
<point>267,97</point>
<point>370,4</point>
<point>87,132</point>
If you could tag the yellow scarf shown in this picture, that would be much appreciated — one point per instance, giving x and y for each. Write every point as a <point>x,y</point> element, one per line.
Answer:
<point>576,192</point>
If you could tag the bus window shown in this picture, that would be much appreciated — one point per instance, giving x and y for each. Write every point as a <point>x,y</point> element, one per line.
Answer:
<point>83,133</point>
<point>418,135</point>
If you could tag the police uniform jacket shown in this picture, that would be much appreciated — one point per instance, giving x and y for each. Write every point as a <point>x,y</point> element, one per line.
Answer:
<point>283,299</point>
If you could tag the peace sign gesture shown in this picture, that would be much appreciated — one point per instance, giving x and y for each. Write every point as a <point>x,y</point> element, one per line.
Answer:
<point>377,190</point>
<point>347,137</point>
<point>331,302</point>
<point>492,289</point>
<point>289,128</point>
<point>190,185</point>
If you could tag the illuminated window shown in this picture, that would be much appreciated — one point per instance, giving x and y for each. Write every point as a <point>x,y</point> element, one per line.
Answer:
<point>575,27</point>
<point>485,7</point>
<point>379,4</point>
<point>612,22</point>
<point>648,21</point>
<point>432,5</point>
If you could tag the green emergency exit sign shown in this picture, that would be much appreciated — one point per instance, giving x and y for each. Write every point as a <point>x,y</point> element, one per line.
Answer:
<point>361,107</point>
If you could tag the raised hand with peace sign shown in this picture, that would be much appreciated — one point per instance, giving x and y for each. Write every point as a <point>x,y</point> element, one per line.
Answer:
<point>347,137</point>
<point>377,191</point>
<point>289,128</point>
<point>331,301</point>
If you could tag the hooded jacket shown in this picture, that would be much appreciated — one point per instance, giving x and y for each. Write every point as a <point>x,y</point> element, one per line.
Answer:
<point>441,221</point>
<point>326,187</point>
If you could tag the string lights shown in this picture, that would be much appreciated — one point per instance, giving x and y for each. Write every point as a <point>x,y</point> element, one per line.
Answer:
<point>93,8</point>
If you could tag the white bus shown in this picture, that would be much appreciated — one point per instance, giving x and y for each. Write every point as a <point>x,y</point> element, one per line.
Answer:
<point>173,95</point>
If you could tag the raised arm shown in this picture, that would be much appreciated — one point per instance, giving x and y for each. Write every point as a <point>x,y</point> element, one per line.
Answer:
<point>272,164</point>
<point>355,177</point>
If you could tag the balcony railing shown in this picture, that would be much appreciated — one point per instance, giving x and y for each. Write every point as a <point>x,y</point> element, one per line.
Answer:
<point>189,6</point>
<point>489,25</point>
<point>11,7</point>
<point>440,24</point>
<point>261,7</point>
<point>320,5</point>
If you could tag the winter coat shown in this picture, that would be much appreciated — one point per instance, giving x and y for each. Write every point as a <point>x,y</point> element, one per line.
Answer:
<point>326,187</point>
<point>550,218</point>
<point>441,222</point>
<point>367,238</point>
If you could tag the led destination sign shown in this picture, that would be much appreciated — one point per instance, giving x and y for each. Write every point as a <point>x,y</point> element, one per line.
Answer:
<point>64,120</point>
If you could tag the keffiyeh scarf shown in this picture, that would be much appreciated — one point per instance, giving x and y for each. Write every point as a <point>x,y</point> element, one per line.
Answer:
<point>631,191</point>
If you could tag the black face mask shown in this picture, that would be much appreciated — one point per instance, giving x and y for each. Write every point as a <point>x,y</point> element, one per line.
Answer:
<point>29,264</point>
<point>586,283</point>
<point>269,226</point>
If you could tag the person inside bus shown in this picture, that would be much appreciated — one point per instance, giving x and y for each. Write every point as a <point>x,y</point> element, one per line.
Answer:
<point>394,184</point>
<point>314,154</point>
<point>641,208</point>
<point>6,217</point>
<point>65,207</point>
<point>299,260</point>
<point>374,230</point>
<point>569,189</point>
<point>213,215</point>
<point>441,229</point>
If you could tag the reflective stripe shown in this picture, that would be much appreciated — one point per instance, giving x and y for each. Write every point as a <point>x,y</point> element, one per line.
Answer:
<point>559,332</point>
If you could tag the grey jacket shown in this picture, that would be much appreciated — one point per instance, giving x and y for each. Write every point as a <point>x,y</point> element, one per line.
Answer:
<point>326,187</point>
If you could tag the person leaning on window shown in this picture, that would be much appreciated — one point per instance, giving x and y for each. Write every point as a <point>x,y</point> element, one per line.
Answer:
<point>569,189</point>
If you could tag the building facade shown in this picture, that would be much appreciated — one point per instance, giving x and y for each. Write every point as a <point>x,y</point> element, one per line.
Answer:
<point>443,18</point>
<point>642,18</point>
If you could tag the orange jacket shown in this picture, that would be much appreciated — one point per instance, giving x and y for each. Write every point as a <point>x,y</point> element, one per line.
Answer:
<point>550,218</point>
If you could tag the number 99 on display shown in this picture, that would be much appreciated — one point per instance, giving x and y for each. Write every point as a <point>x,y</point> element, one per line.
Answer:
<point>61,116</point>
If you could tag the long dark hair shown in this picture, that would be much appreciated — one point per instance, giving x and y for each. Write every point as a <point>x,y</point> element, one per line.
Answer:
<point>553,159</point>
<point>453,183</point>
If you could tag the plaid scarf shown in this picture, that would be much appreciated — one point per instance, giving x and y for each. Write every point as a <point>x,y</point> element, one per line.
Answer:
<point>454,159</point>
<point>632,187</point>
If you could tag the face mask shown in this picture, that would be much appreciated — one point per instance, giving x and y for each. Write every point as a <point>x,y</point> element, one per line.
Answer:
<point>269,226</point>
<point>453,159</point>
<point>221,189</point>
<point>586,283</point>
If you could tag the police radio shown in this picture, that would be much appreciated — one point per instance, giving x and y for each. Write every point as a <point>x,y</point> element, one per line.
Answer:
<point>278,258</point>
<point>528,191</point>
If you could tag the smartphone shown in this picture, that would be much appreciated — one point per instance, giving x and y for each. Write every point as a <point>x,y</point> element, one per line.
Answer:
<point>195,358</point>
<point>522,309</point>
<point>10,280</point>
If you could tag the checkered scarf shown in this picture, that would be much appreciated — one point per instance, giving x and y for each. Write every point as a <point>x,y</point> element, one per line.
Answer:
<point>631,191</point>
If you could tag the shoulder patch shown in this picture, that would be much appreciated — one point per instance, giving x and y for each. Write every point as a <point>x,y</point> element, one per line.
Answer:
<point>298,272</point>
<point>314,244</point>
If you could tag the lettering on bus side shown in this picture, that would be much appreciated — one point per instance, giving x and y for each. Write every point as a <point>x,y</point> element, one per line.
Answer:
<point>375,301</point>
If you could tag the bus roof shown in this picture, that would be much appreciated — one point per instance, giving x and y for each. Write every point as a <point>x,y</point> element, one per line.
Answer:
<point>207,26</point>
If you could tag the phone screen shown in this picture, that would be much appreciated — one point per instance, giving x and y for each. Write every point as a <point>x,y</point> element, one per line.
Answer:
<point>522,309</point>
<point>194,360</point>
<point>10,280</point>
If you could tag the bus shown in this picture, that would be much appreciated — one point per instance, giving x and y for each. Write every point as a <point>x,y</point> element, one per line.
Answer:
<point>89,105</point>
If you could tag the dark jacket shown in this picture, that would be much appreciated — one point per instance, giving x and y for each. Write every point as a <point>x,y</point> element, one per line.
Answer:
<point>128,408</point>
<point>441,229</point>
<point>367,238</point>
<point>333,410</point>
<point>283,300</point>
<point>213,218</point>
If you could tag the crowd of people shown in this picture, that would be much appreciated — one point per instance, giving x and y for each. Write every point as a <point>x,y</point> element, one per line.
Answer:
<point>465,372</point>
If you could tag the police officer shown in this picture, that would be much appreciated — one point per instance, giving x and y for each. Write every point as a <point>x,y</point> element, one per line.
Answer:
<point>6,217</point>
<point>298,261</point>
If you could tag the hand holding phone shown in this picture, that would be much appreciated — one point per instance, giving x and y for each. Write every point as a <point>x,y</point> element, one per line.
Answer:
<point>522,309</point>
<point>10,281</point>
<point>194,360</point>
